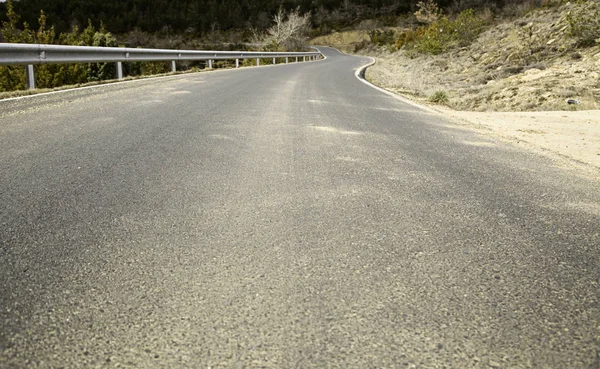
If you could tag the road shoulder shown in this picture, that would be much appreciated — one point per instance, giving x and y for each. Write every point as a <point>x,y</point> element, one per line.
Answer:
<point>566,134</point>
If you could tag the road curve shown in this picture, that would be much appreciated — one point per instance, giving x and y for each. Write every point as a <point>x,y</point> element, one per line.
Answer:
<point>285,217</point>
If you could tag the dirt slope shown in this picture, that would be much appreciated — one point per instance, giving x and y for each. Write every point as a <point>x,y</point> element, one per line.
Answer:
<point>528,64</point>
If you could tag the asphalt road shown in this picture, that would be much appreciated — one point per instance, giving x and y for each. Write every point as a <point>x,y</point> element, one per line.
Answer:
<point>285,217</point>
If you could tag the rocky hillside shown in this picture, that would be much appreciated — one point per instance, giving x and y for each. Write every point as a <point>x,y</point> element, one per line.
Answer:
<point>547,59</point>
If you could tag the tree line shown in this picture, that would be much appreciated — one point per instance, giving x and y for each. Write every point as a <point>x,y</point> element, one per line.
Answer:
<point>13,30</point>
<point>203,16</point>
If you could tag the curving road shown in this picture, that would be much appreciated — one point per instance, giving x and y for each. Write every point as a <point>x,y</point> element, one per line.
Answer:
<point>285,217</point>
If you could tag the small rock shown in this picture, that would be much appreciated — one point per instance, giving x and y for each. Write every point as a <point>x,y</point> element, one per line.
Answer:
<point>533,71</point>
<point>494,364</point>
<point>550,42</point>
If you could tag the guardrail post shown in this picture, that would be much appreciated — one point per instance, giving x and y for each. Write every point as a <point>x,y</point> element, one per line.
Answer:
<point>257,62</point>
<point>274,61</point>
<point>237,63</point>
<point>304,58</point>
<point>119,70</point>
<point>287,59</point>
<point>173,66</point>
<point>30,74</point>
<point>210,64</point>
<point>296,59</point>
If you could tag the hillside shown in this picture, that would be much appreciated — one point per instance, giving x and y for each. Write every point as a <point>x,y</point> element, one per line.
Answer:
<point>529,63</point>
<point>514,81</point>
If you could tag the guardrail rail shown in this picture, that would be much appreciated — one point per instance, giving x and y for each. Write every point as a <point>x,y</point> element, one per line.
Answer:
<point>32,54</point>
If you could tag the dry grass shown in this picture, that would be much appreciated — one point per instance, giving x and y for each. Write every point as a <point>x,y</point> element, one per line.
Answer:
<point>528,64</point>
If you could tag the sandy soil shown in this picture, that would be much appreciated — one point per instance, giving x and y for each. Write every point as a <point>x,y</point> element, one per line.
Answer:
<point>572,134</point>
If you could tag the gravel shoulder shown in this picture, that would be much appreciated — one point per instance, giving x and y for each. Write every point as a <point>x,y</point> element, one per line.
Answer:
<point>575,135</point>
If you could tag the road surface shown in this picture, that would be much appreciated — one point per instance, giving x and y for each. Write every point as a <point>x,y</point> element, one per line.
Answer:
<point>285,217</point>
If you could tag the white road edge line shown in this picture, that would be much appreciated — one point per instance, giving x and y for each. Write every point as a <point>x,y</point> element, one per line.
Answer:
<point>359,74</point>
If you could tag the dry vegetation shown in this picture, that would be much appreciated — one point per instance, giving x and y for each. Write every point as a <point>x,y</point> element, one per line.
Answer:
<point>534,60</point>
<point>342,40</point>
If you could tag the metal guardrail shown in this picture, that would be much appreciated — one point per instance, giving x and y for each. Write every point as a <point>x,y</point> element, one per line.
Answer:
<point>32,54</point>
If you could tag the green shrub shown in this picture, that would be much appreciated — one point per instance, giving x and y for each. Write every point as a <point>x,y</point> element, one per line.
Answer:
<point>443,34</point>
<point>437,38</point>
<point>358,46</point>
<point>382,37</point>
<point>409,37</point>
<point>467,26</point>
<point>439,97</point>
<point>102,71</point>
<point>53,75</point>
<point>584,27</point>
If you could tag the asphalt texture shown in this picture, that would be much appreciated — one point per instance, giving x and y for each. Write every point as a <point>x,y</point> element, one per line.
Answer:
<point>285,217</point>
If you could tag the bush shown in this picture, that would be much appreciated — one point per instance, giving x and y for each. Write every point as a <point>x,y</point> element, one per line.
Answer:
<point>358,46</point>
<point>53,75</point>
<point>529,45</point>
<point>443,34</point>
<point>436,38</point>
<point>467,26</point>
<point>409,37</point>
<point>382,37</point>
<point>439,97</point>
<point>102,71</point>
<point>584,27</point>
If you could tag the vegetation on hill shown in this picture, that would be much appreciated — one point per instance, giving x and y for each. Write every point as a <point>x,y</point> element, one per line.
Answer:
<point>203,16</point>
<point>54,75</point>
<point>287,32</point>
<point>539,55</point>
